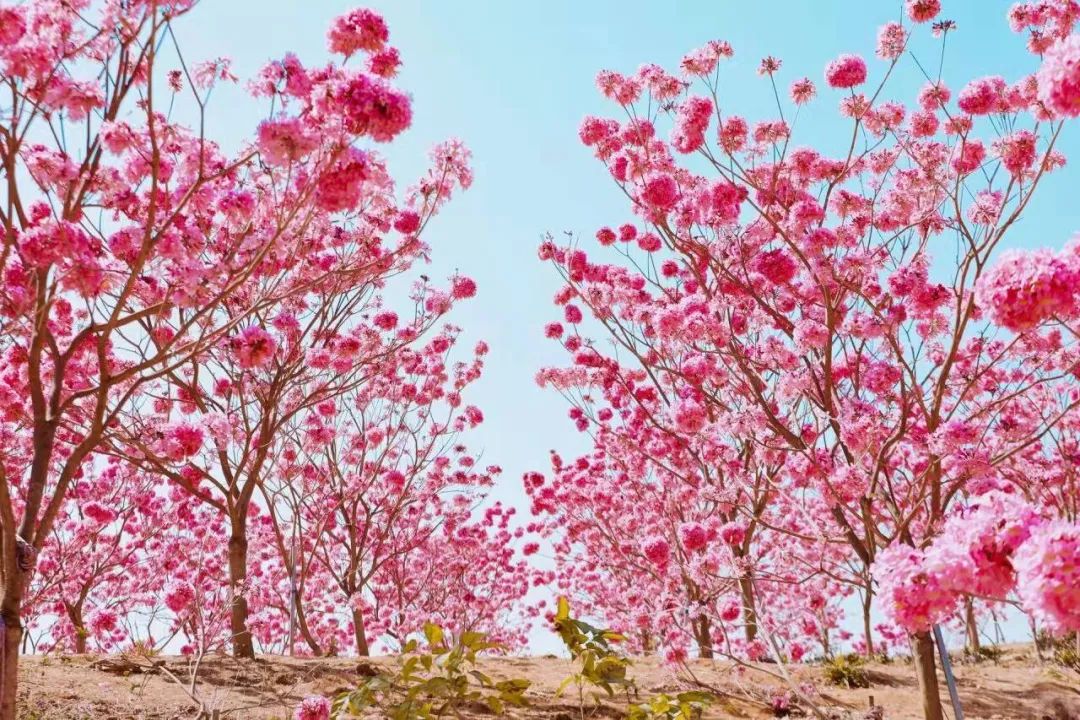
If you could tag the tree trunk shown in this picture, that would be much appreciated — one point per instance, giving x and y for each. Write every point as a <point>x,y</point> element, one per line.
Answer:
<point>243,647</point>
<point>75,615</point>
<point>746,589</point>
<point>922,652</point>
<point>868,633</point>
<point>11,630</point>
<point>703,633</point>
<point>305,631</point>
<point>972,626</point>
<point>362,648</point>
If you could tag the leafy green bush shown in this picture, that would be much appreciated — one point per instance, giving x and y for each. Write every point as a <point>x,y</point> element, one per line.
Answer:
<point>440,681</point>
<point>684,706</point>
<point>847,671</point>
<point>993,653</point>
<point>602,667</point>
<point>1067,656</point>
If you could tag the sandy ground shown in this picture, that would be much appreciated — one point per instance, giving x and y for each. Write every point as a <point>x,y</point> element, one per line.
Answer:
<point>85,687</point>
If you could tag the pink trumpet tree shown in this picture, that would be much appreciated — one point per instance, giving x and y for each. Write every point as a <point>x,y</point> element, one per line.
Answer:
<point>213,424</point>
<point>138,255</point>
<point>96,570</point>
<point>368,487</point>
<point>125,234</point>
<point>781,305</point>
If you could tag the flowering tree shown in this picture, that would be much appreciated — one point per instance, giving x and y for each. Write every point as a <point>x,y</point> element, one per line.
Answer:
<point>124,234</point>
<point>467,576</point>
<point>362,482</point>
<point>95,570</point>
<point>328,333</point>
<point>136,251</point>
<point>785,299</point>
<point>1023,537</point>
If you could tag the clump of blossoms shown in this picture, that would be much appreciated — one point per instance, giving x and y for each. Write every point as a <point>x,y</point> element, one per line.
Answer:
<point>313,707</point>
<point>999,544</point>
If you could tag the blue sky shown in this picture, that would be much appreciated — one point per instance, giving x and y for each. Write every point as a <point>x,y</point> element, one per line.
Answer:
<point>513,80</point>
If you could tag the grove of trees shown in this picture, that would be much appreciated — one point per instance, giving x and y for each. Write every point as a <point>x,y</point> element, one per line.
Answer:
<point>827,405</point>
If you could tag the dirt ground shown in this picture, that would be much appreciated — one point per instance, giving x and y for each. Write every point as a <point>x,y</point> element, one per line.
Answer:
<point>1016,687</point>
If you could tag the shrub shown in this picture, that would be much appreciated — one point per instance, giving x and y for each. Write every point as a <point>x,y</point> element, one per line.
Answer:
<point>847,671</point>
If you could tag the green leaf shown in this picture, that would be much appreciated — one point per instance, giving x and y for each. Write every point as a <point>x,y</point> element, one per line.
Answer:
<point>433,633</point>
<point>484,679</point>
<point>562,611</point>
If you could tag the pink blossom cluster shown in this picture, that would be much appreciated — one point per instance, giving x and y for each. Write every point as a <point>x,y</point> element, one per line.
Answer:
<point>1023,289</point>
<point>997,545</point>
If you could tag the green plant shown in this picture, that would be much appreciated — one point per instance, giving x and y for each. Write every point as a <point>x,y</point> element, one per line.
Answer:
<point>847,670</point>
<point>993,653</point>
<point>439,681</point>
<point>601,665</point>
<point>1067,656</point>
<point>684,706</point>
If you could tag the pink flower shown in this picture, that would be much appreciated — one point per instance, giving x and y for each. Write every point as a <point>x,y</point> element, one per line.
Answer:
<point>650,242</point>
<point>103,621</point>
<point>689,416</point>
<point>656,550</point>
<point>1048,582</point>
<point>802,91</point>
<point>987,207</point>
<point>553,330</point>
<point>385,63</point>
<point>691,123</point>
<point>703,60</point>
<point>179,598</point>
<point>661,192</point>
<point>1059,77</point>
<point>846,71</point>
<point>463,287</point>
<point>339,188</point>
<point>572,313</point>
<point>12,26</point>
<point>98,513</point>
<point>407,222</point>
<point>253,347</point>
<point>693,536</point>
<point>360,29</point>
<point>1017,151</point>
<point>769,65</point>
<point>182,440</point>
<point>733,533</point>
<point>594,129</point>
<point>1025,288</point>
<point>385,320</point>
<point>730,611</point>
<point>733,133</point>
<point>891,41</point>
<point>371,107</point>
<point>969,157</point>
<point>921,11</point>
<point>983,96</point>
<point>285,141</point>
<point>913,598</point>
<point>313,707</point>
<point>924,123</point>
<point>776,265</point>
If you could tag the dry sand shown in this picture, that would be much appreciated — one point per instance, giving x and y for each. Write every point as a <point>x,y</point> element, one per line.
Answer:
<point>84,687</point>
